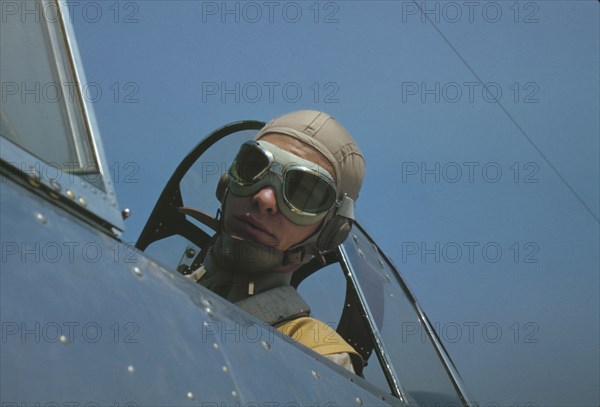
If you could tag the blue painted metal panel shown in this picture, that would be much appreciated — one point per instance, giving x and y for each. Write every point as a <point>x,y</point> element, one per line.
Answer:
<point>87,319</point>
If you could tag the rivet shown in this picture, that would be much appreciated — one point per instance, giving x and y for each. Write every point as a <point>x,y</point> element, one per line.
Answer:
<point>205,302</point>
<point>208,311</point>
<point>63,339</point>
<point>40,218</point>
<point>234,393</point>
<point>266,345</point>
<point>82,201</point>
<point>125,213</point>
<point>131,369</point>
<point>358,401</point>
<point>136,270</point>
<point>55,186</point>
<point>190,395</point>
<point>190,252</point>
<point>361,253</point>
<point>381,263</point>
<point>355,237</point>
<point>34,177</point>
<point>388,278</point>
<point>34,183</point>
<point>70,194</point>
<point>225,369</point>
<point>216,345</point>
<point>315,375</point>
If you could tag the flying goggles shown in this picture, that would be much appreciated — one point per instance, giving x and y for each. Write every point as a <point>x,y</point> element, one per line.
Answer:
<point>305,191</point>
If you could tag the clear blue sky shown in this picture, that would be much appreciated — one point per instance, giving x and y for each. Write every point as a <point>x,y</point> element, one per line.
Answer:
<point>486,199</point>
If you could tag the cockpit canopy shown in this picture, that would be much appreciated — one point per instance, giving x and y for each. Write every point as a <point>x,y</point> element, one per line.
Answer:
<point>358,291</point>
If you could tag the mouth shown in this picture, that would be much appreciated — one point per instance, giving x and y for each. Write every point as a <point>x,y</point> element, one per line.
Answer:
<point>254,230</point>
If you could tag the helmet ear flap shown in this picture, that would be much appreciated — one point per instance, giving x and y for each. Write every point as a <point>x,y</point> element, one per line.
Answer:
<point>334,233</point>
<point>222,186</point>
<point>338,228</point>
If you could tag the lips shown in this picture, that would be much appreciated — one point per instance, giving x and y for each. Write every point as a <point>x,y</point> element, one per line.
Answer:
<point>253,229</point>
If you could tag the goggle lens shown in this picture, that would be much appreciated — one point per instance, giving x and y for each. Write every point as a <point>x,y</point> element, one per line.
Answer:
<point>307,191</point>
<point>249,165</point>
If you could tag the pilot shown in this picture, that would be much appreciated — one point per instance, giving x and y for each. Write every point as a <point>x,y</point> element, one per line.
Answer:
<point>287,199</point>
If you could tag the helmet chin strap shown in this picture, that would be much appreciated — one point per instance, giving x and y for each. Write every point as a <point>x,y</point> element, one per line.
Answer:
<point>241,268</point>
<point>235,281</point>
<point>246,256</point>
<point>252,257</point>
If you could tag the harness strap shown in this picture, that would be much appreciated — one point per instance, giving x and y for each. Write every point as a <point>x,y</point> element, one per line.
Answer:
<point>276,305</point>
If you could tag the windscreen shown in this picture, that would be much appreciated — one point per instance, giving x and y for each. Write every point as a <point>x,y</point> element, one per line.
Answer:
<point>41,109</point>
<point>406,341</point>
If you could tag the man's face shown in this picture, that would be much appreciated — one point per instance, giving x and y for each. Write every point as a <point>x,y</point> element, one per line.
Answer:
<point>257,217</point>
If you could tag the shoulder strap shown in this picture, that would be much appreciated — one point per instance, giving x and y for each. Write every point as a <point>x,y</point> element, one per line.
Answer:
<point>276,305</point>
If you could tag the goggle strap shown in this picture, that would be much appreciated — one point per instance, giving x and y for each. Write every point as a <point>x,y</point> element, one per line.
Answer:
<point>346,208</point>
<point>295,255</point>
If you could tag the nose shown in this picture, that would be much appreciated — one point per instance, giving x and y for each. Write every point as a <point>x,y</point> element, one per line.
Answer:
<point>266,200</point>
